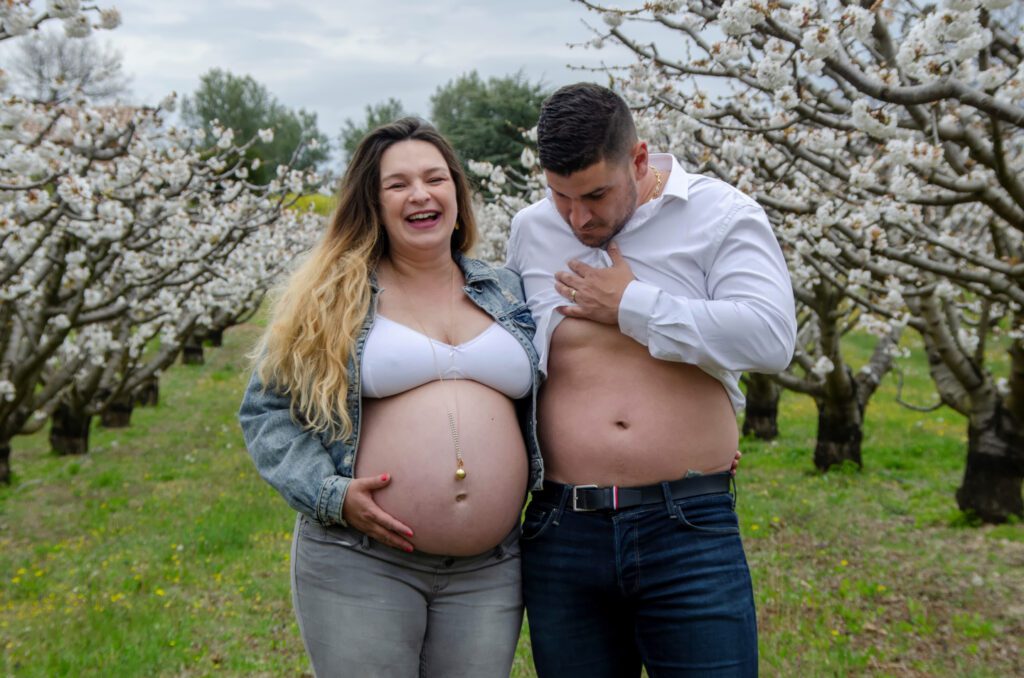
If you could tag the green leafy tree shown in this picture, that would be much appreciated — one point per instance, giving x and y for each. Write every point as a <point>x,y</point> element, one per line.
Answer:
<point>246,106</point>
<point>485,120</point>
<point>376,115</point>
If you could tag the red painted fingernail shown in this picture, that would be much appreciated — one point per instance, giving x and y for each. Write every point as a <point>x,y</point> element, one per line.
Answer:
<point>384,477</point>
<point>408,533</point>
<point>408,549</point>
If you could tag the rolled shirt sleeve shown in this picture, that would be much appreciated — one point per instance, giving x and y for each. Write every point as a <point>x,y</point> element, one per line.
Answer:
<point>748,322</point>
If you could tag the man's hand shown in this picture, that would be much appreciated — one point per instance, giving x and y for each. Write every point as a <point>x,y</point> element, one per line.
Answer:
<point>361,512</point>
<point>595,292</point>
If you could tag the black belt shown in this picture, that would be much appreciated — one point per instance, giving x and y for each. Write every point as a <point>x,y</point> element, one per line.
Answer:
<point>594,498</point>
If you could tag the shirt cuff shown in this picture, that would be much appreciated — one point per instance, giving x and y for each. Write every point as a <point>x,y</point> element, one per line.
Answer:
<point>331,500</point>
<point>636,308</point>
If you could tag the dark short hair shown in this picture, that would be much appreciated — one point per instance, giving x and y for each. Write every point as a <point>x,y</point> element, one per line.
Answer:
<point>583,124</point>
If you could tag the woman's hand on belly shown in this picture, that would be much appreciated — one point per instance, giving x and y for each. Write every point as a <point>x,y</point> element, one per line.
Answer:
<point>408,436</point>
<point>362,512</point>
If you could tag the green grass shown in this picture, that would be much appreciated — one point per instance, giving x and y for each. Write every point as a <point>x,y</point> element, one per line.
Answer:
<point>161,552</point>
<point>321,204</point>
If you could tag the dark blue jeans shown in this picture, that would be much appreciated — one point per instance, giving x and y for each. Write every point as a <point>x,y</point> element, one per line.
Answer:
<point>665,585</point>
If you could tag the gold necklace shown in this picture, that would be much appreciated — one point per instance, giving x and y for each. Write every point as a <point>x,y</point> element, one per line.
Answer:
<point>657,182</point>
<point>453,427</point>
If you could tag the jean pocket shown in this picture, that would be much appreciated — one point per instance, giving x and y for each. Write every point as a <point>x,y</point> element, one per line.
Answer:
<point>536,521</point>
<point>335,534</point>
<point>712,515</point>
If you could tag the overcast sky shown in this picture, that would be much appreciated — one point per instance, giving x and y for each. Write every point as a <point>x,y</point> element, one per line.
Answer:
<point>335,57</point>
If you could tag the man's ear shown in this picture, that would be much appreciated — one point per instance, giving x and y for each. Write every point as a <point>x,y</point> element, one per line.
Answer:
<point>639,159</point>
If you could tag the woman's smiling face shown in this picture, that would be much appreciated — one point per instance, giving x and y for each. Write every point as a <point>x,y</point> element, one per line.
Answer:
<point>417,197</point>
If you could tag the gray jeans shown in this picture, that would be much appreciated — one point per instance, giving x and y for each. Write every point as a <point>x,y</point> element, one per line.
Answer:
<point>366,609</point>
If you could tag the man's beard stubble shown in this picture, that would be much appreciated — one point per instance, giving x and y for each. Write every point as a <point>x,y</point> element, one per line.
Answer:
<point>620,222</point>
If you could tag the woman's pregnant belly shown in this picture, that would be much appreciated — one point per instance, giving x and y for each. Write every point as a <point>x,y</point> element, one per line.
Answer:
<point>408,437</point>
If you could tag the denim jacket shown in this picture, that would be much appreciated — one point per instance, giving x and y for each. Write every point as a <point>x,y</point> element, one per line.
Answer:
<point>313,474</point>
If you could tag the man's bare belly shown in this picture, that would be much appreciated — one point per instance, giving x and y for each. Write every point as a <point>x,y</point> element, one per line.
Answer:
<point>407,436</point>
<point>610,414</point>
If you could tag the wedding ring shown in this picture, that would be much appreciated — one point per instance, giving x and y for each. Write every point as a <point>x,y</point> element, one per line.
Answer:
<point>573,297</point>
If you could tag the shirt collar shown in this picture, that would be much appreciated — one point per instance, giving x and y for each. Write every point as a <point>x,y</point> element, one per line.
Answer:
<point>678,184</point>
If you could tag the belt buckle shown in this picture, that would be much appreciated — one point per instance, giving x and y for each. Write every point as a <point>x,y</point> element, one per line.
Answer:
<point>575,497</point>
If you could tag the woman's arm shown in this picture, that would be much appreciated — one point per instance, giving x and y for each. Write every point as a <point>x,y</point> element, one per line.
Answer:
<point>296,463</point>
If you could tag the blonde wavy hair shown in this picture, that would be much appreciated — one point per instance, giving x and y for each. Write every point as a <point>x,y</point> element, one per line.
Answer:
<point>317,314</point>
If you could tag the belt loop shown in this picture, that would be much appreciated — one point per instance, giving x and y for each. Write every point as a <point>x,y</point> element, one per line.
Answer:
<point>566,493</point>
<point>669,506</point>
<point>735,492</point>
<point>365,542</point>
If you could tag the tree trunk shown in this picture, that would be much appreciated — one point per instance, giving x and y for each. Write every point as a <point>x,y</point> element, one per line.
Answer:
<point>215,337</point>
<point>118,413</point>
<point>5,463</point>
<point>840,430</point>
<point>993,479</point>
<point>760,418</point>
<point>69,430</point>
<point>148,393</point>
<point>192,351</point>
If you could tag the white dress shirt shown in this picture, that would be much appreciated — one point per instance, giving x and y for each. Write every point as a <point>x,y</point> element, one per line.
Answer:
<point>711,288</point>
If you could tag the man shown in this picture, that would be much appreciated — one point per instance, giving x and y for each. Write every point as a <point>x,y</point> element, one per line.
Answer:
<point>652,290</point>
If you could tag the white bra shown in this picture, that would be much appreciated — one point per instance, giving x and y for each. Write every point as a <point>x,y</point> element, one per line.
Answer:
<point>397,358</point>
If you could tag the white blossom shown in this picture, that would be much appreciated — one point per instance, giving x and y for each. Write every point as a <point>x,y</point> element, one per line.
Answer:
<point>820,41</point>
<point>823,366</point>
<point>945,290</point>
<point>479,168</point>
<point>266,135</point>
<point>7,391</point>
<point>77,26</point>
<point>737,17</point>
<point>787,98</point>
<point>613,19</point>
<point>727,51</point>
<point>813,67</point>
<point>827,248</point>
<point>527,158</point>
<point>62,9</point>
<point>169,102</point>
<point>968,340</point>
<point>858,21</point>
<point>110,18</point>
<point>226,139</point>
<point>17,19</point>
<point>60,322</point>
<point>773,75</point>
<point>862,177</point>
<point>876,122</point>
<point>497,177</point>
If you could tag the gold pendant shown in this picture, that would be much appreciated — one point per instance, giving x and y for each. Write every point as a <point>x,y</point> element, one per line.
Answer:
<point>460,473</point>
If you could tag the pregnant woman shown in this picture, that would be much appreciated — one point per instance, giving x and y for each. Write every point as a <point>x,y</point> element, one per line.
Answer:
<point>392,406</point>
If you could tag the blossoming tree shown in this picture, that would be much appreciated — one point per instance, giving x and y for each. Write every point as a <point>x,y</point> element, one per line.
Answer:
<point>887,140</point>
<point>118,239</point>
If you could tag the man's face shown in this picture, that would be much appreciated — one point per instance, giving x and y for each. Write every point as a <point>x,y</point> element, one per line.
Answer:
<point>596,201</point>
